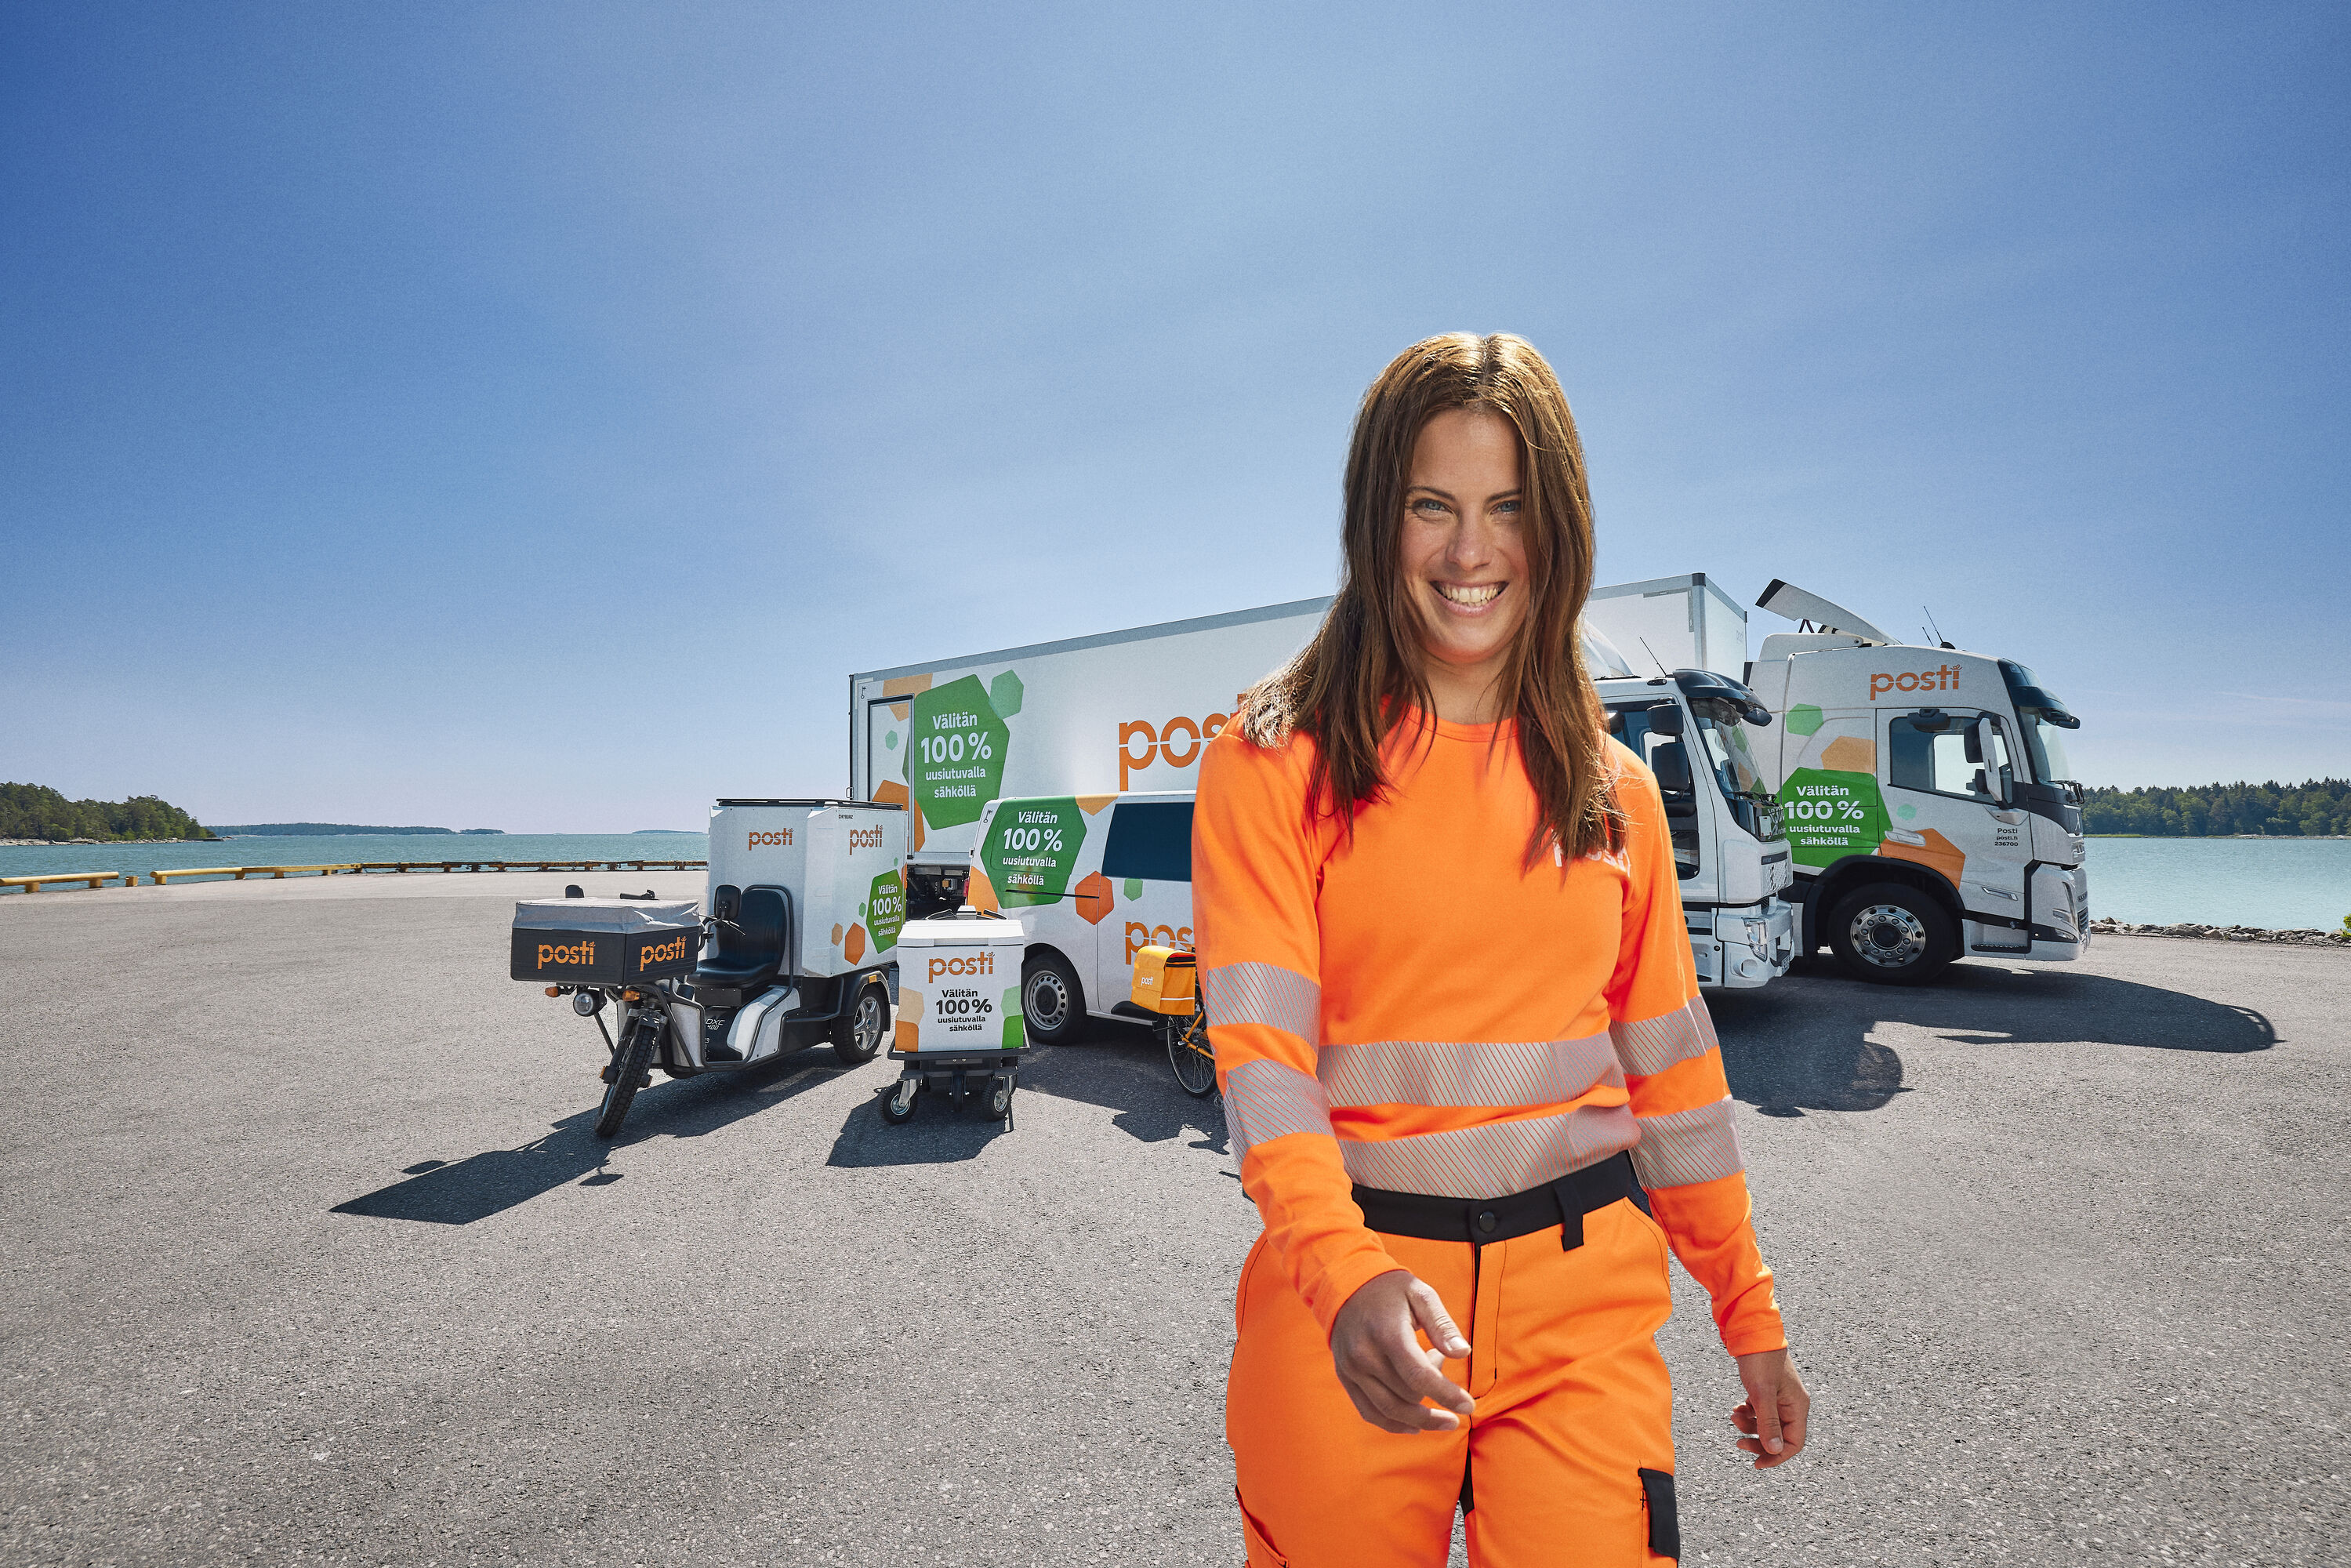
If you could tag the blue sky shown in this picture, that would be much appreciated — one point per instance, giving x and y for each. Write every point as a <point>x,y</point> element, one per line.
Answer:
<point>527,416</point>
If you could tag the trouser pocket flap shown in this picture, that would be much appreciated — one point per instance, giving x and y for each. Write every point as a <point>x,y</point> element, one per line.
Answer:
<point>1665,1520</point>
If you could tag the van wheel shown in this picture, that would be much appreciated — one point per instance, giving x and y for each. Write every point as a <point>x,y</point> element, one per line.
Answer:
<point>859,1033</point>
<point>1052,1006</point>
<point>1892,934</point>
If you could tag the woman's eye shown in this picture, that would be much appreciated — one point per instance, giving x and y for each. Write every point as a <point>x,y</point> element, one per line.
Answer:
<point>1427,508</point>
<point>1506,509</point>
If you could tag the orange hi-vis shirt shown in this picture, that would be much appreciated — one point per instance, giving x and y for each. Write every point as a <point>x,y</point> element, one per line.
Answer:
<point>1413,1008</point>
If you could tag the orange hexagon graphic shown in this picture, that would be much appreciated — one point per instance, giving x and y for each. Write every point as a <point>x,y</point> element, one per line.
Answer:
<point>1093,898</point>
<point>852,947</point>
<point>981,892</point>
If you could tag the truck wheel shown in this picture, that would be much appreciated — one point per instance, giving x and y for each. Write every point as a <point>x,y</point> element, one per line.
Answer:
<point>898,1105</point>
<point>1892,934</point>
<point>859,1033</point>
<point>1051,1005</point>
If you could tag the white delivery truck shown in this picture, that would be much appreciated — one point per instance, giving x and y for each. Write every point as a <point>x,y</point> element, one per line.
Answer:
<point>1128,713</point>
<point>1691,720</point>
<point>1930,804</point>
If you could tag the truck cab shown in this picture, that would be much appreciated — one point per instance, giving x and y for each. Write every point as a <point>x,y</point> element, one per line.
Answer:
<point>1929,803</point>
<point>1730,852</point>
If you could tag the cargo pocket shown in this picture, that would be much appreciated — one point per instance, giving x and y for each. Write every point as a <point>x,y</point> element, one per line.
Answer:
<point>1261,1553</point>
<point>1665,1520</point>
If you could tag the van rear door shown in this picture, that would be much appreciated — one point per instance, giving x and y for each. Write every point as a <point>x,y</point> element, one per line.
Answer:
<point>1147,860</point>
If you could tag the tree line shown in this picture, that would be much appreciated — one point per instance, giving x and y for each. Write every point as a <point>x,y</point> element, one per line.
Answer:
<point>2209,810</point>
<point>36,812</point>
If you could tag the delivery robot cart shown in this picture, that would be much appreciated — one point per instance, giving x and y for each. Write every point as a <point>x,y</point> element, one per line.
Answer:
<point>1167,987</point>
<point>960,1030</point>
<point>798,946</point>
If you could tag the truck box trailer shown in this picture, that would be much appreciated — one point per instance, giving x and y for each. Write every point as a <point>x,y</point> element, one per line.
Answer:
<point>1130,712</point>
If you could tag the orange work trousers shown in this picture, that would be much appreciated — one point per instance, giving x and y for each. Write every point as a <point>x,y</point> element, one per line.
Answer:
<point>1574,1405</point>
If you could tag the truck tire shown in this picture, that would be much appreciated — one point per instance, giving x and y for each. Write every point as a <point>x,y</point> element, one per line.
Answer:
<point>1053,1004</point>
<point>858,1033</point>
<point>1892,934</point>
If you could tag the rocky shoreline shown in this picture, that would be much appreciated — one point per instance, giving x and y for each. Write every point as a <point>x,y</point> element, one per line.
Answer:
<point>2195,932</point>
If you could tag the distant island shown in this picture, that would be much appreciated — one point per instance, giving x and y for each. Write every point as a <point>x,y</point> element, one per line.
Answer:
<point>643,831</point>
<point>329,829</point>
<point>2320,809</point>
<point>36,812</point>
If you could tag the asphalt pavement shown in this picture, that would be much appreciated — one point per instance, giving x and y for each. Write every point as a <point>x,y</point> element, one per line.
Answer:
<point>312,1256</point>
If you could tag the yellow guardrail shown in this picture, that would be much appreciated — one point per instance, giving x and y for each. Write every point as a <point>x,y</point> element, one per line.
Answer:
<point>241,872</point>
<point>91,878</point>
<point>279,872</point>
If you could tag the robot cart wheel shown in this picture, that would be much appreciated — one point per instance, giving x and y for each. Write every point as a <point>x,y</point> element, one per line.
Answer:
<point>898,1105</point>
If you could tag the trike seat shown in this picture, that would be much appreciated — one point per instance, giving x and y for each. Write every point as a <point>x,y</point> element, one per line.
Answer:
<point>748,958</point>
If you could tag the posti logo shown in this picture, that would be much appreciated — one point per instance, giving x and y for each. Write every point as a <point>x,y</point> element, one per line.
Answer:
<point>1139,936</point>
<point>864,838</point>
<point>979,963</point>
<point>1175,742</point>
<point>1942,678</point>
<point>578,953</point>
<point>781,840</point>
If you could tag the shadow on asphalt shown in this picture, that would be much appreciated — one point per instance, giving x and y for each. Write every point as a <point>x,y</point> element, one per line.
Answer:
<point>1803,1044</point>
<point>1120,1067</point>
<point>496,1180</point>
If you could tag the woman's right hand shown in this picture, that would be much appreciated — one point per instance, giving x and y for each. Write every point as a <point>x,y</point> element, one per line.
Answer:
<point>1382,1365</point>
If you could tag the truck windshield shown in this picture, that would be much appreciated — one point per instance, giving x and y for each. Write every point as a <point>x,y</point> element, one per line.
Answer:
<point>1726,748</point>
<point>2044,720</point>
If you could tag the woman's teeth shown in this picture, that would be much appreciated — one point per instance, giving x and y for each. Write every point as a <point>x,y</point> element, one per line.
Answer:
<point>1464,594</point>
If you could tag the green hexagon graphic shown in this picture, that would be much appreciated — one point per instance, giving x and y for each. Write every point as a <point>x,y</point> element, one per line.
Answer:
<point>1030,849</point>
<point>1133,887</point>
<point>887,899</point>
<point>1803,719</point>
<point>955,752</point>
<point>1015,1030</point>
<point>1005,695</point>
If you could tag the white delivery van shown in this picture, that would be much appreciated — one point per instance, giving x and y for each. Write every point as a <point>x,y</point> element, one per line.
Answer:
<point>1093,880</point>
<point>1930,807</point>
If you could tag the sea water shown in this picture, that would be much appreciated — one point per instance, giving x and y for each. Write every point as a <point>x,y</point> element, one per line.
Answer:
<point>2278,884</point>
<point>346,849</point>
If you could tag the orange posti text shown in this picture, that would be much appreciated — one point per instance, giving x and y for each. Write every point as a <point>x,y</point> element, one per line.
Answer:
<point>578,953</point>
<point>780,838</point>
<point>668,951</point>
<point>980,963</point>
<point>1139,936</point>
<point>1175,742</point>
<point>864,839</point>
<point>1942,678</point>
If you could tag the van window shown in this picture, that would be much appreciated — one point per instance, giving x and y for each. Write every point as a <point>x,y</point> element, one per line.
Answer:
<point>1151,838</point>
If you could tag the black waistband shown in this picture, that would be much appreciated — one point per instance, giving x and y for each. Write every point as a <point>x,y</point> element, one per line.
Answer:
<point>1563,1203</point>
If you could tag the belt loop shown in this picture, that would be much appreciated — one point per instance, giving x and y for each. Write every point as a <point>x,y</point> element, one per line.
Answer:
<point>1571,1217</point>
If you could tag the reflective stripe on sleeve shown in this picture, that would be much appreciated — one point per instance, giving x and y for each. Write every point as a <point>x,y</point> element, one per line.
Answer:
<point>1468,1072</point>
<point>1651,1046</point>
<point>1687,1148</point>
<point>1493,1160</point>
<point>1263,993</point>
<point>1264,1101</point>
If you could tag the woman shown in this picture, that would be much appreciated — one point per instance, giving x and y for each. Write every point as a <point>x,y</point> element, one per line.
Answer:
<point>1458,1029</point>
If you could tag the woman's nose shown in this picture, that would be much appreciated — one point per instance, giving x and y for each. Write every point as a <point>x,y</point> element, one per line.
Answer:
<point>1471,546</point>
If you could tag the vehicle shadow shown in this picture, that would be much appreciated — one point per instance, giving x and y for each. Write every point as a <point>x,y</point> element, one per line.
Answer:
<point>440,1192</point>
<point>1117,1066</point>
<point>1805,1042</point>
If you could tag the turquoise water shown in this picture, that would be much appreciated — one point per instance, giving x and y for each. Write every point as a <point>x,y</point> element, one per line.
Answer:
<point>2279,884</point>
<point>345,848</point>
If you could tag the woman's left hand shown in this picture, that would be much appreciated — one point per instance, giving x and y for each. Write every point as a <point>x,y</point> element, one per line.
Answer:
<point>1773,1417</point>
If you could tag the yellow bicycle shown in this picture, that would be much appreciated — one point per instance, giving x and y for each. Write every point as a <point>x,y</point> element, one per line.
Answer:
<point>1167,986</point>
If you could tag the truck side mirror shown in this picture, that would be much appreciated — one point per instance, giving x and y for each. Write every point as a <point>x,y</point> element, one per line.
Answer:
<point>1665,720</point>
<point>1670,762</point>
<point>1975,742</point>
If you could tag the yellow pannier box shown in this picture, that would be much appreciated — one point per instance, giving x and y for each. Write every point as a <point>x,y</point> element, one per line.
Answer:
<point>1166,980</point>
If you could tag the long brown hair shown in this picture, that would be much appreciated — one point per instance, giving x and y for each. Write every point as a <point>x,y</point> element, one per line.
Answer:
<point>1362,671</point>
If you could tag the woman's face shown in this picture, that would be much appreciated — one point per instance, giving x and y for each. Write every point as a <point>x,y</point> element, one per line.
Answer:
<point>1464,550</point>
